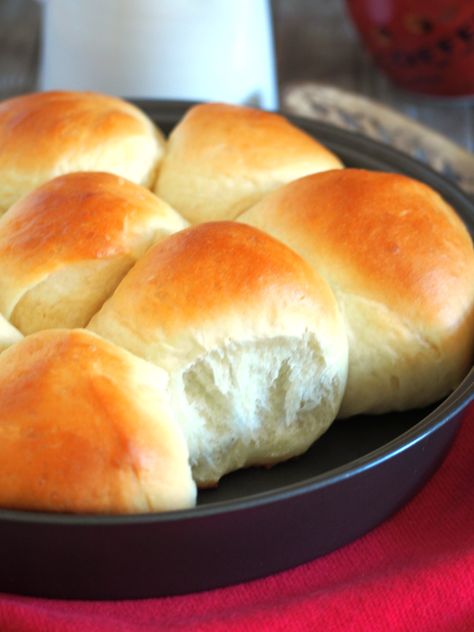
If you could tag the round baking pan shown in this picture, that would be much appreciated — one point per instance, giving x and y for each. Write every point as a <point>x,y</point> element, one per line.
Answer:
<point>257,521</point>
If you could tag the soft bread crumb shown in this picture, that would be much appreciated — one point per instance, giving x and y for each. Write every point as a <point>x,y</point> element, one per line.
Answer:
<point>255,403</point>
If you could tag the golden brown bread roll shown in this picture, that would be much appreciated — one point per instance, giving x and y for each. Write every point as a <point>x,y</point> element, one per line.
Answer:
<point>251,338</point>
<point>86,427</point>
<point>401,264</point>
<point>66,245</point>
<point>47,134</point>
<point>221,159</point>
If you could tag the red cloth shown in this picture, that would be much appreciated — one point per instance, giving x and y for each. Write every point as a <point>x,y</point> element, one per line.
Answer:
<point>413,573</point>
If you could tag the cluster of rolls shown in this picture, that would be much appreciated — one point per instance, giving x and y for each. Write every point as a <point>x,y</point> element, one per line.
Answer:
<point>173,310</point>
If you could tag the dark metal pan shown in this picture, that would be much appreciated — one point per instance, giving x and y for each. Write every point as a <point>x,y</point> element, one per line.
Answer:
<point>258,521</point>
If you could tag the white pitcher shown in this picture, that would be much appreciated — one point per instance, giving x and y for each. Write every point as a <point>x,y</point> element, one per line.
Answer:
<point>214,50</point>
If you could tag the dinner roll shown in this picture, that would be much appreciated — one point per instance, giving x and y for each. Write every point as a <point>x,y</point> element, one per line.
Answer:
<point>221,159</point>
<point>401,264</point>
<point>47,134</point>
<point>86,427</point>
<point>8,334</point>
<point>66,245</point>
<point>251,338</point>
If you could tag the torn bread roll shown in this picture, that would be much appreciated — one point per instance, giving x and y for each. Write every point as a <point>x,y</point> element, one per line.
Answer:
<point>47,134</point>
<point>401,264</point>
<point>220,159</point>
<point>251,337</point>
<point>86,427</point>
<point>65,247</point>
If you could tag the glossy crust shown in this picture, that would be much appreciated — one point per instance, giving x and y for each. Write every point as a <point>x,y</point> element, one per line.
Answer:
<point>221,159</point>
<point>66,245</point>
<point>47,134</point>
<point>210,282</point>
<point>402,265</point>
<point>85,427</point>
<point>250,335</point>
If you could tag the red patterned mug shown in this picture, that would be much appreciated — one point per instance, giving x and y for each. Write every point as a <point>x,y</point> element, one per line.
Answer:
<point>423,45</point>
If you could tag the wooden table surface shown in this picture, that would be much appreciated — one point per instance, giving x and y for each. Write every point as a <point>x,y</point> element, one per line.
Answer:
<point>314,42</point>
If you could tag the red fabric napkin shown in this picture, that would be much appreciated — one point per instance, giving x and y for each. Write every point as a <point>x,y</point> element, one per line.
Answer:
<point>413,573</point>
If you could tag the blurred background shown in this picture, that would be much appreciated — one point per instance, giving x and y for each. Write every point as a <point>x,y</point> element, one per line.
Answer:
<point>324,64</point>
